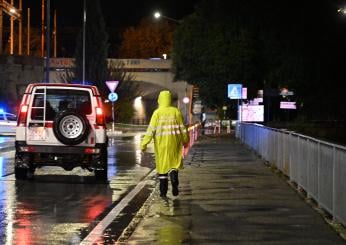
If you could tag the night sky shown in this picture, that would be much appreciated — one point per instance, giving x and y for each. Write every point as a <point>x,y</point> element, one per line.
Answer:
<point>118,15</point>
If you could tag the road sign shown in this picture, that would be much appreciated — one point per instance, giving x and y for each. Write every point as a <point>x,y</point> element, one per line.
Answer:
<point>291,105</point>
<point>113,97</point>
<point>234,91</point>
<point>286,93</point>
<point>112,85</point>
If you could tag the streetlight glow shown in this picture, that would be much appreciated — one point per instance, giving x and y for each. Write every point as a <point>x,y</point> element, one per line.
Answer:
<point>157,15</point>
<point>186,100</point>
<point>342,10</point>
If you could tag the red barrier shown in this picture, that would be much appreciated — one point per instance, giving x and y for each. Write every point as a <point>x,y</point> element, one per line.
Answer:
<point>194,131</point>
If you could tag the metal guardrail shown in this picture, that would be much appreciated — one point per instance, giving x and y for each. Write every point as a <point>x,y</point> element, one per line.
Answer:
<point>317,166</point>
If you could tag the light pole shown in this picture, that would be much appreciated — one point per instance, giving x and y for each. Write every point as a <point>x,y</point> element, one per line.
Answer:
<point>84,25</point>
<point>48,41</point>
<point>158,15</point>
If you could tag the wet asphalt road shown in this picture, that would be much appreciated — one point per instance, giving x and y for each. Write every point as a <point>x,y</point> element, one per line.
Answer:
<point>60,207</point>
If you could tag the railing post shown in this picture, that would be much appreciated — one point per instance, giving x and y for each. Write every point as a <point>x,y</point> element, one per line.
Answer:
<point>318,169</point>
<point>334,186</point>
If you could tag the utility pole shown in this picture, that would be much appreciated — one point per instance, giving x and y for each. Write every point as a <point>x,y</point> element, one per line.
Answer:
<point>54,35</point>
<point>1,29</point>
<point>28,35</point>
<point>20,31</point>
<point>11,32</point>
<point>84,30</point>
<point>48,41</point>
<point>42,29</point>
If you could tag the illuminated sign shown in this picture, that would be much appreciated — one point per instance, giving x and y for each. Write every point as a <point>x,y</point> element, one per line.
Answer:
<point>112,85</point>
<point>235,91</point>
<point>244,93</point>
<point>288,105</point>
<point>251,113</point>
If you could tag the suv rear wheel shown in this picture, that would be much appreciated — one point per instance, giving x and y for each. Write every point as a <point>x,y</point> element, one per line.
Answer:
<point>71,127</point>
<point>20,173</point>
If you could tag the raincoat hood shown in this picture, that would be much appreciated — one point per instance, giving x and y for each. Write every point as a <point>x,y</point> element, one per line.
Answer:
<point>165,99</point>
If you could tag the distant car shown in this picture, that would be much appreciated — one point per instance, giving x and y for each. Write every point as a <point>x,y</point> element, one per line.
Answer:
<point>8,123</point>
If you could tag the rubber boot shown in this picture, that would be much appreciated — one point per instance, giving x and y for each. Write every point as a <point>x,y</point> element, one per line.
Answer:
<point>163,187</point>
<point>175,182</point>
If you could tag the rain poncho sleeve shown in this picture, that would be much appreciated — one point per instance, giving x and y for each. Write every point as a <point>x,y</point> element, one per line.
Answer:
<point>150,132</point>
<point>169,133</point>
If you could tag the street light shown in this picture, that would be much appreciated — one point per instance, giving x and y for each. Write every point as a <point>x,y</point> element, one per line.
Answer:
<point>84,32</point>
<point>158,15</point>
<point>342,10</point>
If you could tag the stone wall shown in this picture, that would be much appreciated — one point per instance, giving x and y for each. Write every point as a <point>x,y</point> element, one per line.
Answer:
<point>15,73</point>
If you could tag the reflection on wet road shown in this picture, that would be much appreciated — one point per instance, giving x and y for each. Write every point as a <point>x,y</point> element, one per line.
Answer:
<point>57,205</point>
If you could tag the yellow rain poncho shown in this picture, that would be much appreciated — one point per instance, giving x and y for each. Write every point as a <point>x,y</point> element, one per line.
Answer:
<point>167,129</point>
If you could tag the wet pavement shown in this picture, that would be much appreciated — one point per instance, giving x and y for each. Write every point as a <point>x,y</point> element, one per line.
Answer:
<point>61,207</point>
<point>228,196</point>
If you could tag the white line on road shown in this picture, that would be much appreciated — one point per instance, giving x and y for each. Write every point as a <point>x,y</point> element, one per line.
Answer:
<point>97,232</point>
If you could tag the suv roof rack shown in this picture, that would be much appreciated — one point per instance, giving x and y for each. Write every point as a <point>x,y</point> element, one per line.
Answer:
<point>31,87</point>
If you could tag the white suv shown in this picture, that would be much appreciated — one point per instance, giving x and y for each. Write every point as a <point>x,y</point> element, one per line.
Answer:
<point>61,125</point>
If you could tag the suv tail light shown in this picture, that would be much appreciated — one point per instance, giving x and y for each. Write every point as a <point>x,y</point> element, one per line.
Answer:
<point>22,115</point>
<point>100,119</point>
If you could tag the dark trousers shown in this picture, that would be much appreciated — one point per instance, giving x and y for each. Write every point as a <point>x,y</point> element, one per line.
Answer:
<point>163,184</point>
<point>173,174</point>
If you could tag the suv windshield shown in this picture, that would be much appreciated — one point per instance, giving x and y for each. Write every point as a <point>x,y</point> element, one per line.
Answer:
<point>58,100</point>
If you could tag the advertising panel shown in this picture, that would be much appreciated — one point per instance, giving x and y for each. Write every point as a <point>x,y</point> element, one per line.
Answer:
<point>251,113</point>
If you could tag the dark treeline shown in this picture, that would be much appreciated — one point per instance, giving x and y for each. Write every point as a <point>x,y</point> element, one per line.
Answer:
<point>266,45</point>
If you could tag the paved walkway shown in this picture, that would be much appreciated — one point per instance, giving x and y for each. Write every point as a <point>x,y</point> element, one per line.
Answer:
<point>228,196</point>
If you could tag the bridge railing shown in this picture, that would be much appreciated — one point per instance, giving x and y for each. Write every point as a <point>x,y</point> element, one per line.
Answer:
<point>316,166</point>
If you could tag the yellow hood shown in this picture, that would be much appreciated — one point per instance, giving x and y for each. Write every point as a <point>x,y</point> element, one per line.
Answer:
<point>165,98</point>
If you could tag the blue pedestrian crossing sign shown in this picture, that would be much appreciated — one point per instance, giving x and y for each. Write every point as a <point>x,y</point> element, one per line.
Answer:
<point>235,91</point>
<point>113,97</point>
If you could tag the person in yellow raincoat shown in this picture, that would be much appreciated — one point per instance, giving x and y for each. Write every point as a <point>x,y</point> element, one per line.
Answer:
<point>167,129</point>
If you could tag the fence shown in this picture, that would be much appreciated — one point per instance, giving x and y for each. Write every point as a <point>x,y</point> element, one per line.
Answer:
<point>316,166</point>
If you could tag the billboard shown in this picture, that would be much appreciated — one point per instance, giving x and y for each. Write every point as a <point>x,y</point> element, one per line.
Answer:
<point>251,113</point>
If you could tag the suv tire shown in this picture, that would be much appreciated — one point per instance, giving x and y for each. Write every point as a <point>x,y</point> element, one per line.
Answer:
<point>71,127</point>
<point>20,173</point>
<point>101,175</point>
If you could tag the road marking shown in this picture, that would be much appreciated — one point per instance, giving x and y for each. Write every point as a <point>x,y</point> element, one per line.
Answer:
<point>98,230</point>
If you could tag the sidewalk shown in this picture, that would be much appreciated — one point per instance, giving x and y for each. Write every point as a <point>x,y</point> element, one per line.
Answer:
<point>228,196</point>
